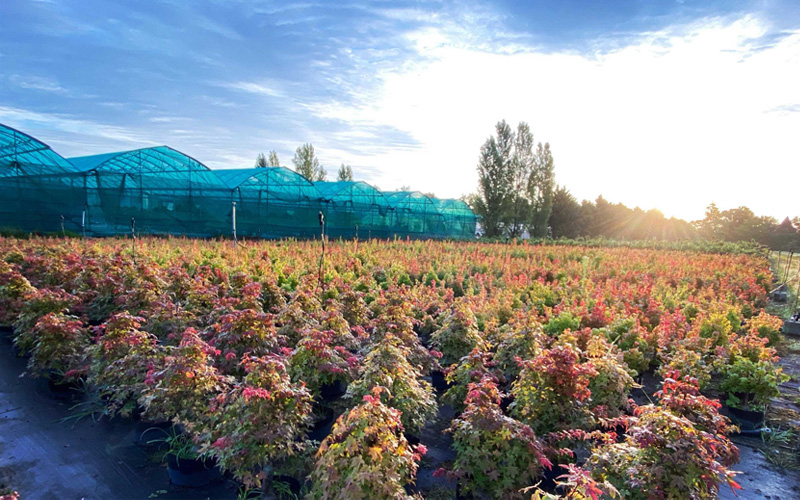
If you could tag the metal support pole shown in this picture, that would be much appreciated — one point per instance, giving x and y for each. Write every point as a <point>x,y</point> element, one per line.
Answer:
<point>233,222</point>
<point>83,223</point>
<point>322,255</point>
<point>63,233</point>
<point>133,239</point>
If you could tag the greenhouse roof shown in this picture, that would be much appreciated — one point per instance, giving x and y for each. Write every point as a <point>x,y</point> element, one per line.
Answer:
<point>162,161</point>
<point>407,198</point>
<point>349,190</point>
<point>452,206</point>
<point>25,155</point>
<point>277,181</point>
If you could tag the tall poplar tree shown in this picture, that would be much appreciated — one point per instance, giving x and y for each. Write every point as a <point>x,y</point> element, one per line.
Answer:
<point>540,189</point>
<point>307,164</point>
<point>495,181</point>
<point>273,159</point>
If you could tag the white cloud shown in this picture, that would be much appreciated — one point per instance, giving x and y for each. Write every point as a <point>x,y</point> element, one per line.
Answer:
<point>674,120</point>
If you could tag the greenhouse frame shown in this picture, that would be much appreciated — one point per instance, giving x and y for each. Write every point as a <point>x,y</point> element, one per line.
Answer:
<point>160,190</point>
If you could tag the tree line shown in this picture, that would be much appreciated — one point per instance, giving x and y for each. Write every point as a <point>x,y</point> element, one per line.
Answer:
<point>517,195</point>
<point>306,163</point>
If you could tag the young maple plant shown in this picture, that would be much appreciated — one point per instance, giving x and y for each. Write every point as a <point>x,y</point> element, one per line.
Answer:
<point>14,292</point>
<point>317,363</point>
<point>256,422</point>
<point>366,456</point>
<point>552,390</point>
<point>182,388</point>
<point>59,346</point>
<point>459,334</point>
<point>120,359</point>
<point>496,455</point>
<point>386,365</point>
<point>663,456</point>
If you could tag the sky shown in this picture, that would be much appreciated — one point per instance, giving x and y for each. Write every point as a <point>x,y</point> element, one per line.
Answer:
<point>657,104</point>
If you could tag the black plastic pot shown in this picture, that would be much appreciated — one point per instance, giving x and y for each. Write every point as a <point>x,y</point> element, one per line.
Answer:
<point>332,392</point>
<point>439,381</point>
<point>294,484</point>
<point>748,419</point>
<point>322,425</point>
<point>61,389</point>
<point>193,473</point>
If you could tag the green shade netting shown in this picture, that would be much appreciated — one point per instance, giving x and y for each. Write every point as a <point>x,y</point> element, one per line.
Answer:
<point>271,202</point>
<point>355,209</point>
<point>415,214</point>
<point>169,192</point>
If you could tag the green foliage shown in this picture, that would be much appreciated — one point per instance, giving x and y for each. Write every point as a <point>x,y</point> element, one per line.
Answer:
<point>345,173</point>
<point>561,323</point>
<point>386,365</point>
<point>307,164</point>
<point>552,389</point>
<point>751,384</point>
<point>459,334</point>
<point>258,421</point>
<point>366,456</point>
<point>496,455</point>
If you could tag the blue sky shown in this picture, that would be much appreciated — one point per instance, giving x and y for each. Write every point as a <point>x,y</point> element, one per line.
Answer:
<point>657,104</point>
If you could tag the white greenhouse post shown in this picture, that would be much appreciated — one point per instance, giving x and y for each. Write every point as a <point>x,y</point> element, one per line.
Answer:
<point>233,222</point>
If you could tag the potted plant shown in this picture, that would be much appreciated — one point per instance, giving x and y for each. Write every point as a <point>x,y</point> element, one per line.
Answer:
<point>15,290</point>
<point>119,361</point>
<point>38,304</point>
<point>552,390</point>
<point>766,326</point>
<point>496,455</point>
<point>664,456</point>
<point>186,466</point>
<point>750,385</point>
<point>458,335</point>
<point>59,347</point>
<point>180,390</point>
<point>366,456</point>
<point>386,365</point>
<point>470,369</point>
<point>243,331</point>
<point>323,368</point>
<point>612,384</point>
<point>257,422</point>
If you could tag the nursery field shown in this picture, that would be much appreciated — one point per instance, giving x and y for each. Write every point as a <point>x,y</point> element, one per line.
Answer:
<point>393,369</point>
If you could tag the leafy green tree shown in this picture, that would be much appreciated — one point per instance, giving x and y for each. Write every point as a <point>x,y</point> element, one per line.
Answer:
<point>565,218</point>
<point>540,189</point>
<point>495,181</point>
<point>261,160</point>
<point>345,173</point>
<point>307,164</point>
<point>273,159</point>
<point>522,165</point>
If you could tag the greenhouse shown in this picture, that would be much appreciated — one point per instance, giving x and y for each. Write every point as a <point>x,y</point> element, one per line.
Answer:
<point>355,209</point>
<point>459,219</point>
<point>31,198</point>
<point>168,192</point>
<point>415,214</point>
<point>271,202</point>
<point>164,190</point>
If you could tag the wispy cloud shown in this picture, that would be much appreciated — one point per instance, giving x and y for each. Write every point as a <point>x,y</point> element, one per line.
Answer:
<point>31,82</point>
